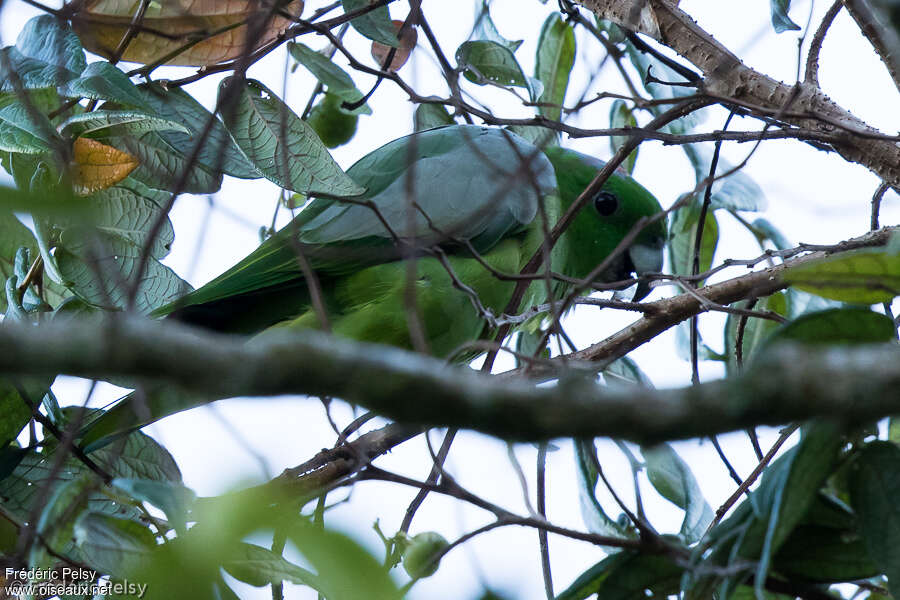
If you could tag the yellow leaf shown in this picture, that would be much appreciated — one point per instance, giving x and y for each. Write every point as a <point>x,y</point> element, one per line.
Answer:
<point>98,166</point>
<point>169,25</point>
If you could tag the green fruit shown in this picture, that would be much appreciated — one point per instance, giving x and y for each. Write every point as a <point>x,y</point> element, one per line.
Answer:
<point>420,559</point>
<point>333,126</point>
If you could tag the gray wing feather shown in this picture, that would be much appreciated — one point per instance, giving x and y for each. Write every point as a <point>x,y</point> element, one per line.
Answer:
<point>472,183</point>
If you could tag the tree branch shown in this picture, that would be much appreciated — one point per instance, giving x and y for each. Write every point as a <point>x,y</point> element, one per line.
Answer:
<point>857,384</point>
<point>726,77</point>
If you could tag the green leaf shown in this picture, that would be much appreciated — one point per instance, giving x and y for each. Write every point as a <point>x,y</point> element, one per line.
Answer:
<point>50,40</point>
<point>102,123</point>
<point>874,489</point>
<point>171,497</point>
<point>134,412</point>
<point>781,22</point>
<point>844,326</point>
<point>103,81</point>
<point>626,576</point>
<point>540,137</point>
<point>24,130</point>
<point>260,566</point>
<point>756,331</point>
<point>683,232</point>
<point>737,191</point>
<point>864,276</point>
<point>429,116</point>
<point>673,479</point>
<point>13,235</point>
<point>766,231</point>
<point>57,521</point>
<point>101,269</point>
<point>486,30</point>
<point>555,59</point>
<point>32,74</point>
<point>162,166</point>
<point>621,115</point>
<point>128,210</point>
<point>330,75</point>
<point>111,545</point>
<point>817,554</point>
<point>625,371</point>
<point>487,63</point>
<point>282,146</point>
<point>595,518</point>
<point>375,24</point>
<point>14,413</point>
<point>344,569</point>
<point>219,152</point>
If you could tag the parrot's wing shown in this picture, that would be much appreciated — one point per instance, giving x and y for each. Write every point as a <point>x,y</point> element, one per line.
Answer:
<point>460,182</point>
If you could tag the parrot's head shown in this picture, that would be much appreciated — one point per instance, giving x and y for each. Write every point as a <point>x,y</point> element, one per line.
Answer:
<point>606,220</point>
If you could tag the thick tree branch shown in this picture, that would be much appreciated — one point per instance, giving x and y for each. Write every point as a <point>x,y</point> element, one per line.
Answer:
<point>729,79</point>
<point>849,384</point>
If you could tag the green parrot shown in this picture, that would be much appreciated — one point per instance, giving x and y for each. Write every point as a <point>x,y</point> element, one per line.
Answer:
<point>465,201</point>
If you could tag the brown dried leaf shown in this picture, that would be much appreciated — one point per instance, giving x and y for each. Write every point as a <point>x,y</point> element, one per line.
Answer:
<point>407,43</point>
<point>98,166</point>
<point>172,24</point>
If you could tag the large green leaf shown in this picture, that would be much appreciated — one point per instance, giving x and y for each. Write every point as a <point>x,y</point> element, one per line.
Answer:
<point>51,41</point>
<point>375,24</point>
<point>626,576</point>
<point>683,231</point>
<point>759,526</point>
<point>104,123</point>
<point>854,325</point>
<point>219,152</point>
<point>128,210</point>
<point>874,489</point>
<point>819,554</point>
<point>13,235</point>
<point>485,63</point>
<point>24,130</point>
<point>112,545</point>
<point>555,58</point>
<point>162,166</point>
<point>103,81</point>
<point>102,269</point>
<point>14,413</point>
<point>737,191</point>
<point>673,479</point>
<point>595,517</point>
<point>31,74</point>
<point>864,276</point>
<point>171,497</point>
<point>429,116</point>
<point>57,521</point>
<point>330,75</point>
<point>282,146</point>
<point>260,566</point>
<point>47,54</point>
<point>756,331</point>
<point>134,412</point>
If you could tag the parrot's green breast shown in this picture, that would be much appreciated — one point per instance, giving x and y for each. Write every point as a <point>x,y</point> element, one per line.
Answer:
<point>464,203</point>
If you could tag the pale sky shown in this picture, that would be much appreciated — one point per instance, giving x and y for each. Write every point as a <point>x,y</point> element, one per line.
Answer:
<point>813,196</point>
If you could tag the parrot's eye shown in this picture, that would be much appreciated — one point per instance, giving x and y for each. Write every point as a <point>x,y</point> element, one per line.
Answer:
<point>606,203</point>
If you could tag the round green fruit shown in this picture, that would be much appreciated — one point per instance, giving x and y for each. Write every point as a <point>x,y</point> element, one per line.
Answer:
<point>333,126</point>
<point>420,559</point>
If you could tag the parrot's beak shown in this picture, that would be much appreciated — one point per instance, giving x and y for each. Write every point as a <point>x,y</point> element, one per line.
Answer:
<point>645,258</point>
